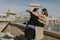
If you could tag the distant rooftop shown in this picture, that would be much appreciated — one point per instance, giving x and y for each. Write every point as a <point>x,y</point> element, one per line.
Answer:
<point>3,14</point>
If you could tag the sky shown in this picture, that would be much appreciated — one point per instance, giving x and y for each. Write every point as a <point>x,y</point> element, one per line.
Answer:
<point>18,6</point>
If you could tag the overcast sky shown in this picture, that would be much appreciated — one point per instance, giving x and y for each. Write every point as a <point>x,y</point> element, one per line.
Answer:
<point>53,6</point>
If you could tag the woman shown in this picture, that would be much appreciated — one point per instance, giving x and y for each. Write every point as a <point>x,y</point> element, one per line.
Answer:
<point>42,19</point>
<point>36,21</point>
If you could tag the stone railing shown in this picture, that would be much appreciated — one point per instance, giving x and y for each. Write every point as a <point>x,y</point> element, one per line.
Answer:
<point>18,29</point>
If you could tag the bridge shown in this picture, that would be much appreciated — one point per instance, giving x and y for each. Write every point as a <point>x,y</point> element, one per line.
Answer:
<point>17,30</point>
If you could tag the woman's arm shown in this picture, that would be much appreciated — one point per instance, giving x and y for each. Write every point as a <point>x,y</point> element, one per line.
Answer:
<point>42,18</point>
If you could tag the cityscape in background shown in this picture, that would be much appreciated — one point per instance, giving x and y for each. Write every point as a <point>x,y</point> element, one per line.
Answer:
<point>12,25</point>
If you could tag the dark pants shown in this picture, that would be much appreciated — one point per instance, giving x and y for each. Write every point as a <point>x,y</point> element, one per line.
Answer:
<point>30,32</point>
